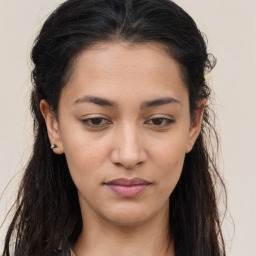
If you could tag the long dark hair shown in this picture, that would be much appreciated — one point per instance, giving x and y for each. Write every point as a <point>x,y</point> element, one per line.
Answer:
<point>47,209</point>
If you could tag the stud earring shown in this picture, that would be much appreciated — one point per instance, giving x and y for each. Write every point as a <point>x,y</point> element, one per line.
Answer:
<point>53,146</point>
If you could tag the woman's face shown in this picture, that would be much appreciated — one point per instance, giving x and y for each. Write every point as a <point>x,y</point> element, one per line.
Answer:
<point>124,114</point>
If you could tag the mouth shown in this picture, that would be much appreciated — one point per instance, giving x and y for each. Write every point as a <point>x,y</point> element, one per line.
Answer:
<point>128,187</point>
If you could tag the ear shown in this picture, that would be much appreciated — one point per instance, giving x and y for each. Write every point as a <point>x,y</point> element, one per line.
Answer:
<point>195,127</point>
<point>52,127</point>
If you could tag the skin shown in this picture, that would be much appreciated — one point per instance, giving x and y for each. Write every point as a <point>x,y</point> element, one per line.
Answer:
<point>128,142</point>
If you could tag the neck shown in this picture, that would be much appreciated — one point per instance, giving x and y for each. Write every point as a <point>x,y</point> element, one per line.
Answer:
<point>103,238</point>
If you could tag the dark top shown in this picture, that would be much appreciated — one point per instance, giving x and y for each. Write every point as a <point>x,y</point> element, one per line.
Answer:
<point>59,252</point>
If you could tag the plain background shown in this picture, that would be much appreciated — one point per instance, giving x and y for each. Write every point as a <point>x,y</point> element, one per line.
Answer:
<point>230,26</point>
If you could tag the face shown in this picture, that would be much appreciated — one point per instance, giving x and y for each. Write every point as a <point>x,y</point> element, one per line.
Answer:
<point>124,114</point>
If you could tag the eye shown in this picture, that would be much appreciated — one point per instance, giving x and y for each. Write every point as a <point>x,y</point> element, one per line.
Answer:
<point>95,122</point>
<point>161,121</point>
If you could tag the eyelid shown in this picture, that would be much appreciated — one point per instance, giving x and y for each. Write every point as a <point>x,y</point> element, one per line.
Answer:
<point>86,120</point>
<point>168,120</point>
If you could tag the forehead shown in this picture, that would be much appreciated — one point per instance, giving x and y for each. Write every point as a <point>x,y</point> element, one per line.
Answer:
<point>119,68</point>
<point>124,58</point>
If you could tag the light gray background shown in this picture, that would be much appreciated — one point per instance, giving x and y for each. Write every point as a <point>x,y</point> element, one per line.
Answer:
<point>230,26</point>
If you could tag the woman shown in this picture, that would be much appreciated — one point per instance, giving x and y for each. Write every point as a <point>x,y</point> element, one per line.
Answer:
<point>120,164</point>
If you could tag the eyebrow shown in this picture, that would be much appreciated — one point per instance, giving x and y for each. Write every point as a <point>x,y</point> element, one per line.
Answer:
<point>109,103</point>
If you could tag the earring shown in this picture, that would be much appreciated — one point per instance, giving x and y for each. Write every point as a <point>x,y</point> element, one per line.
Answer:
<point>53,146</point>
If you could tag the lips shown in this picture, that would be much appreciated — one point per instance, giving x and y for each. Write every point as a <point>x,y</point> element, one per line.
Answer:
<point>127,182</point>
<point>128,187</point>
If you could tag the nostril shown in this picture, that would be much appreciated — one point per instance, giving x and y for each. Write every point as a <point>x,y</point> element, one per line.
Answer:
<point>128,166</point>
<point>128,152</point>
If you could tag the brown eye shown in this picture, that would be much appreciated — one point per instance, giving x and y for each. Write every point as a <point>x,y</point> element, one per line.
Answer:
<point>162,122</point>
<point>95,122</point>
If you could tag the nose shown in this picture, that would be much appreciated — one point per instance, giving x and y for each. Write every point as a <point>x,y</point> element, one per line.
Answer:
<point>128,150</point>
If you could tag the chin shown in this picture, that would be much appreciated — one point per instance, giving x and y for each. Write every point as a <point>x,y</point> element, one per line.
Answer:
<point>129,216</point>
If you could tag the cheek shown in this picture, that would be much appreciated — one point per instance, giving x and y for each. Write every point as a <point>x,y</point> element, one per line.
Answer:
<point>84,158</point>
<point>171,152</point>
<point>169,159</point>
<point>170,176</point>
<point>172,168</point>
<point>80,146</point>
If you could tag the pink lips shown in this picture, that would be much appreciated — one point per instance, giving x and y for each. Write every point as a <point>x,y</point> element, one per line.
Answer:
<point>126,187</point>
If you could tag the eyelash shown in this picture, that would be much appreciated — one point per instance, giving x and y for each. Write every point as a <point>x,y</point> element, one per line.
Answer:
<point>85,122</point>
